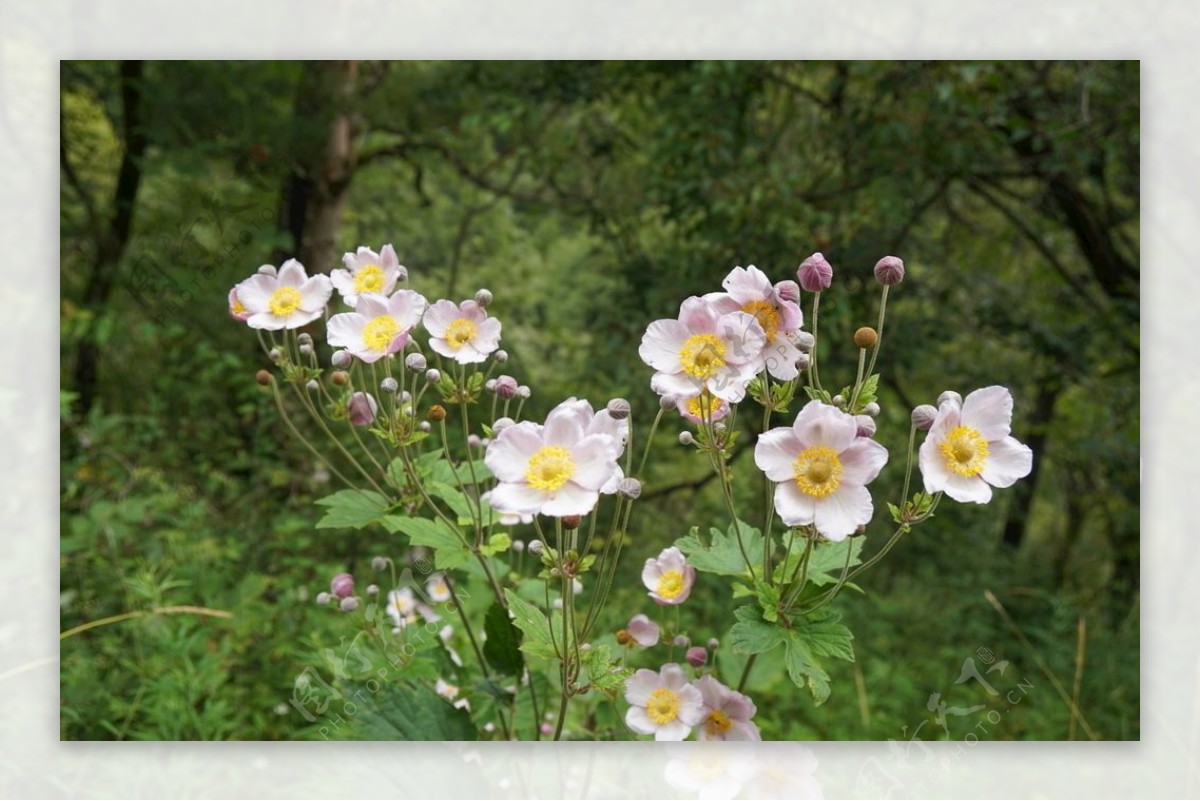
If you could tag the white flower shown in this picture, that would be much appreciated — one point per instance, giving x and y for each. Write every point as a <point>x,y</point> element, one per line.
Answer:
<point>600,422</point>
<point>749,290</point>
<point>446,689</point>
<point>404,608</point>
<point>969,447</point>
<point>663,703</point>
<point>727,713</point>
<point>378,326</point>
<point>464,332</point>
<point>287,300</point>
<point>704,349</point>
<point>438,589</point>
<point>669,577</point>
<point>367,272</point>
<point>821,467</point>
<point>556,469</point>
<point>643,631</point>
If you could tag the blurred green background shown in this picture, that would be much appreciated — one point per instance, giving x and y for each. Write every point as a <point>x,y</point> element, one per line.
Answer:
<point>591,198</point>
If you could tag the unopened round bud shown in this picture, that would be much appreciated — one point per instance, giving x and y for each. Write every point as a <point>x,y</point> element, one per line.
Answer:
<point>618,408</point>
<point>950,395</point>
<point>323,598</point>
<point>587,646</point>
<point>473,441</point>
<point>275,354</point>
<point>866,337</point>
<point>624,637</point>
<point>872,409</point>
<point>500,356</point>
<point>341,358</point>
<point>629,487</point>
<point>518,546</point>
<point>524,391</point>
<point>668,401</point>
<point>339,377</point>
<point>889,270</point>
<point>304,338</point>
<point>436,413</point>
<point>805,340</point>
<point>803,361</point>
<point>483,297</point>
<point>305,350</point>
<point>313,386</point>
<point>349,604</point>
<point>719,427</point>
<point>686,438</point>
<point>405,396</point>
<point>506,387</point>
<point>866,425</point>
<point>787,291</point>
<point>483,443</point>
<point>697,657</point>
<point>713,644</point>
<point>372,589</point>
<point>415,362</point>
<point>536,547</point>
<point>501,424</point>
<point>681,641</point>
<point>424,426</point>
<point>379,563</point>
<point>571,522</point>
<point>433,376</point>
<point>361,409</point>
<point>267,269</point>
<point>815,273</point>
<point>389,385</point>
<point>839,401</point>
<point>490,385</point>
<point>401,273</point>
<point>342,585</point>
<point>923,417</point>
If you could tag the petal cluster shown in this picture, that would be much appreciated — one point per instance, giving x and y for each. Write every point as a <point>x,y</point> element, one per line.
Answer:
<point>288,299</point>
<point>366,272</point>
<point>463,332</point>
<point>663,704</point>
<point>668,577</point>
<point>749,290</point>
<point>378,326</point>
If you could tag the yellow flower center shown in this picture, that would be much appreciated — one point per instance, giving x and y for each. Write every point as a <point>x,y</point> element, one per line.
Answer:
<point>284,301</point>
<point>379,332</point>
<point>238,307</point>
<point>766,314</point>
<point>817,471</point>
<point>368,279</point>
<point>670,584</point>
<point>702,355</point>
<point>717,722</point>
<point>460,332</point>
<point>663,706</point>
<point>550,468</point>
<point>697,405</point>
<point>965,451</point>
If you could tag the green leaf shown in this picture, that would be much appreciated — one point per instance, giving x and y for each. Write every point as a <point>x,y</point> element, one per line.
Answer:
<point>497,543</point>
<point>829,559</point>
<point>352,508</point>
<point>401,713</point>
<point>448,547</point>
<point>722,555</point>
<point>604,671</point>
<point>534,625</point>
<point>502,646</point>
<point>867,393</point>
<point>818,394</point>
<point>804,642</point>
<point>768,600</point>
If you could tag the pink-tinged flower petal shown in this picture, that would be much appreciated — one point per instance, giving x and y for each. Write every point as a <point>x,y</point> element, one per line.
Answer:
<point>743,731</point>
<point>644,631</point>
<point>438,318</point>
<point>795,508</point>
<point>467,354</point>
<point>516,498</point>
<point>781,357</point>
<point>651,573</point>
<point>721,303</point>
<point>679,384</point>
<point>314,294</point>
<point>661,344</point>
<point>932,465</point>
<point>472,311</point>
<point>637,719</point>
<point>441,347</point>
<point>697,316</point>
<point>674,732</point>
<point>791,318</point>
<point>488,338</point>
<point>594,460</point>
<point>989,411</point>
<point>255,292</point>
<point>407,307</point>
<point>571,499</point>
<point>639,686</point>
<point>672,559</point>
<point>266,321</point>
<point>949,415</point>
<point>744,339</point>
<point>840,514</point>
<point>562,428</point>
<point>1007,461</point>
<point>346,331</point>
<point>507,455</point>
<point>820,425</point>
<point>776,451</point>
<point>967,489</point>
<point>388,260</point>
<point>371,306</point>
<point>292,274</point>
<point>862,461</point>
<point>748,284</point>
<point>343,282</point>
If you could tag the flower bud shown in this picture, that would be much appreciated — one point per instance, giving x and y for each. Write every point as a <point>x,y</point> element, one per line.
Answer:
<point>372,589</point>
<point>524,391</point>
<point>618,408</point>
<point>473,441</point>
<point>339,377</point>
<point>401,273</point>
<point>571,522</point>
<point>889,270</point>
<point>872,409</point>
<point>362,409</point>
<point>341,358</point>
<point>805,340</point>
<point>379,563</point>
<point>349,604</point>
<point>536,547</point>
<point>389,385</point>
<point>313,386</point>
<point>501,424</point>
<point>630,487</point>
<point>275,355</point>
<point>949,395</point>
<point>433,376</point>
<point>518,546</point>
<point>839,401</point>
<point>507,387</point>
<point>923,417</point>
<point>624,637</point>
<point>697,657</point>
<point>323,598</point>
<point>424,426</point>
<point>267,269</point>
<point>686,438</point>
<point>713,644</point>
<point>304,338</point>
<point>436,413</point>
<point>483,443</point>
<point>490,385</point>
<point>681,641</point>
<point>405,396</point>
<point>415,362</point>
<point>866,337</point>
<point>500,356</point>
<point>787,291</point>
<point>803,361</point>
<point>305,350</point>
<point>668,401</point>
<point>342,585</point>
<point>483,297</point>
<point>815,273</point>
<point>262,377</point>
<point>587,646</point>
<point>866,425</point>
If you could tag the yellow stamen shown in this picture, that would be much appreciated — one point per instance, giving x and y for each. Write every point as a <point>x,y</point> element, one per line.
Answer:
<point>550,468</point>
<point>670,584</point>
<point>965,451</point>
<point>696,405</point>
<point>368,279</point>
<point>663,706</point>
<point>379,332</point>
<point>238,307</point>
<point>817,471</point>
<point>702,355</point>
<point>460,332</point>
<point>284,301</point>
<point>717,722</point>
<point>766,314</point>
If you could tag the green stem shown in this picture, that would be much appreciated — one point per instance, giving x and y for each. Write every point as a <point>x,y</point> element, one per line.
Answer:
<point>879,329</point>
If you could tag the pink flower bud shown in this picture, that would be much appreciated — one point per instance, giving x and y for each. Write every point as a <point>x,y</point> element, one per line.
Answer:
<point>341,358</point>
<point>923,417</point>
<point>697,657</point>
<point>342,585</point>
<point>349,604</point>
<point>788,291</point>
<point>362,409</point>
<point>866,425</point>
<point>889,270</point>
<point>506,387</point>
<point>815,273</point>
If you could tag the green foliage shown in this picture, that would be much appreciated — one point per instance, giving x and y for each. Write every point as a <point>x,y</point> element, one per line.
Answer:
<point>352,508</point>
<point>502,647</point>
<point>399,713</point>
<point>722,554</point>
<point>804,641</point>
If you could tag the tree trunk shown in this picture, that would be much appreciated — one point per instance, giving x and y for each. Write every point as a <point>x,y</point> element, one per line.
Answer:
<point>1017,523</point>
